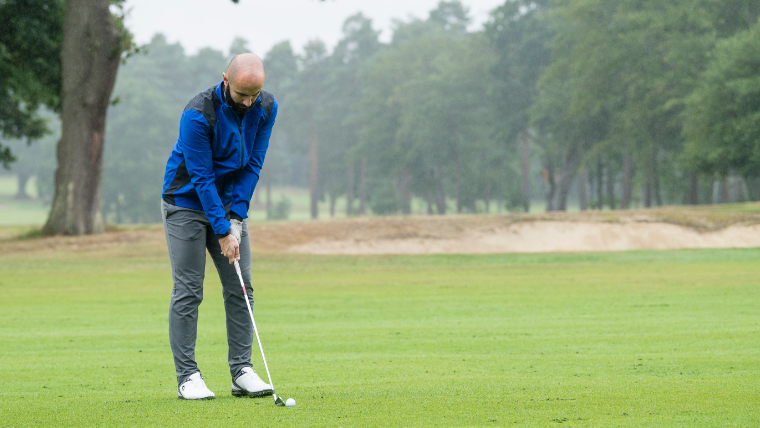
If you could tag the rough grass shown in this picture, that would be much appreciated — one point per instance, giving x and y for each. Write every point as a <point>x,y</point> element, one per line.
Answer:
<point>655,339</point>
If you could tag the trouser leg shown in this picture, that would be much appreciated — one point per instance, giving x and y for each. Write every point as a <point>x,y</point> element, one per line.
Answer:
<point>186,240</point>
<point>239,327</point>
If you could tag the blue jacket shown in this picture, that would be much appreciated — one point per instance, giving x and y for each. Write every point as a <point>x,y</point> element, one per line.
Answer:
<point>217,158</point>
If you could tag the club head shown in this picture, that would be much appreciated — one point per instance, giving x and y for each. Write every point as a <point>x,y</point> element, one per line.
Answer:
<point>278,400</point>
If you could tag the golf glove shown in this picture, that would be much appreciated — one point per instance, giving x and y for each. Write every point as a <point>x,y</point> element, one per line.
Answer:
<point>236,229</point>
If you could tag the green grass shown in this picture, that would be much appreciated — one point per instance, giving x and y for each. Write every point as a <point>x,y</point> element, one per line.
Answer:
<point>15,212</point>
<point>638,339</point>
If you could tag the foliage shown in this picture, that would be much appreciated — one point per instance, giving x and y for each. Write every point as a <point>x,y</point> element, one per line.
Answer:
<point>428,118</point>
<point>519,33</point>
<point>620,73</point>
<point>30,68</point>
<point>723,114</point>
<point>283,160</point>
<point>281,210</point>
<point>606,93</point>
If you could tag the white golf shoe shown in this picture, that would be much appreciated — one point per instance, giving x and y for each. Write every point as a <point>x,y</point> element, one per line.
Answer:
<point>194,388</point>
<point>249,384</point>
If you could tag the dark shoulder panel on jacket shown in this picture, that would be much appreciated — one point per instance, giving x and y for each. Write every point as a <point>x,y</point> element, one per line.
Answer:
<point>267,102</point>
<point>206,104</point>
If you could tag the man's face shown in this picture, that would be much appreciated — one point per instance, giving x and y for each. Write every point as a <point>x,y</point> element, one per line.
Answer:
<point>243,96</point>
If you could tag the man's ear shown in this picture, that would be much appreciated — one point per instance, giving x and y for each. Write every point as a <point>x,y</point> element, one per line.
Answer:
<point>224,77</point>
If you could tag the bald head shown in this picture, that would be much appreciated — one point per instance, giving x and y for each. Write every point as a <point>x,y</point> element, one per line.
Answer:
<point>245,77</point>
<point>246,69</point>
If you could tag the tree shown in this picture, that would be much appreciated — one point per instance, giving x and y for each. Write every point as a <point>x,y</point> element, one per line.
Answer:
<point>281,68</point>
<point>427,117</point>
<point>30,68</point>
<point>93,43</point>
<point>311,91</point>
<point>519,31</point>
<point>722,126</point>
<point>343,124</point>
<point>624,68</point>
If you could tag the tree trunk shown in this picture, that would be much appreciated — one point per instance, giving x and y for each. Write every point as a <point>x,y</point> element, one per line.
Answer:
<point>526,171</point>
<point>648,192</point>
<point>583,190</point>
<point>269,195</point>
<point>600,184</point>
<point>610,186</point>
<point>440,192</point>
<point>567,175</point>
<point>405,193</point>
<point>551,186</point>
<point>314,175</point>
<point>23,179</point>
<point>256,199</point>
<point>457,170</point>
<point>333,199</point>
<point>363,187</point>
<point>89,61</point>
<point>487,197</point>
<point>563,188</point>
<point>694,190</point>
<point>656,182</point>
<point>724,190</point>
<point>350,191</point>
<point>625,202</point>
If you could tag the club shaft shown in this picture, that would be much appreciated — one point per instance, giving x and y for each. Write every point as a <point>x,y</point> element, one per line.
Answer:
<point>255,330</point>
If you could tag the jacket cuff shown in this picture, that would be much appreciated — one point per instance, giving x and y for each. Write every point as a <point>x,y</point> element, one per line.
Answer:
<point>239,209</point>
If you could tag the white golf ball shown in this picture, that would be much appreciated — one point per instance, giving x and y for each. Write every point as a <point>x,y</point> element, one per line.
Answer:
<point>290,403</point>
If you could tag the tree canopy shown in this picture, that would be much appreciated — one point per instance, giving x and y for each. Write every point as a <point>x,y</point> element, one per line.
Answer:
<point>30,68</point>
<point>598,103</point>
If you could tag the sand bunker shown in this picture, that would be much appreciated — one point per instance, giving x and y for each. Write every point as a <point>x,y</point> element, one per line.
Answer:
<point>545,236</point>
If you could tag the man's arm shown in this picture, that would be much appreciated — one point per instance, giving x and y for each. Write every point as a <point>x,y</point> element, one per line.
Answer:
<point>196,147</point>
<point>249,176</point>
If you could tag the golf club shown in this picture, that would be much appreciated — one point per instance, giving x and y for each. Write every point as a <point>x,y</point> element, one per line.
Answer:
<point>277,400</point>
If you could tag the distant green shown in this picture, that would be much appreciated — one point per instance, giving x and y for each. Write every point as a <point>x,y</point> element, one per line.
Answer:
<point>637,339</point>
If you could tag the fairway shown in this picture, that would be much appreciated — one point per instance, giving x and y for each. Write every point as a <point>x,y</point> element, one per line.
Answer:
<point>637,339</point>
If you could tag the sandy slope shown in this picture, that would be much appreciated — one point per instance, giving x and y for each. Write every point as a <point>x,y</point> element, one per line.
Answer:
<point>546,236</point>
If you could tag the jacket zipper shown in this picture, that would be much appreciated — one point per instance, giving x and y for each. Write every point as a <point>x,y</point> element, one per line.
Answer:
<point>240,130</point>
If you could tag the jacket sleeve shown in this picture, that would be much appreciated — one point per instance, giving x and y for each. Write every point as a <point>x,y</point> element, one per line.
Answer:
<point>249,176</point>
<point>196,147</point>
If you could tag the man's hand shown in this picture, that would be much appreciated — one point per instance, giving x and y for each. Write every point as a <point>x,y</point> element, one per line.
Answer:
<point>230,248</point>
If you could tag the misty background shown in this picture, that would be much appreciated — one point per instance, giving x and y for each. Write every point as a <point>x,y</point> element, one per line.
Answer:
<point>533,106</point>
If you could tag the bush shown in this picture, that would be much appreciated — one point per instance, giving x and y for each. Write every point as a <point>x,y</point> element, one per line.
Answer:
<point>281,210</point>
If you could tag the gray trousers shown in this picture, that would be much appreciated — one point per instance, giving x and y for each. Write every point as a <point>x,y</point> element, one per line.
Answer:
<point>188,236</point>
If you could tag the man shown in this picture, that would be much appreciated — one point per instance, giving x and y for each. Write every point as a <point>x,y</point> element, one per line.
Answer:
<point>210,178</point>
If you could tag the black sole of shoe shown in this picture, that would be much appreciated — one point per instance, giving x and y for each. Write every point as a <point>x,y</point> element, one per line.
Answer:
<point>241,393</point>
<point>195,399</point>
